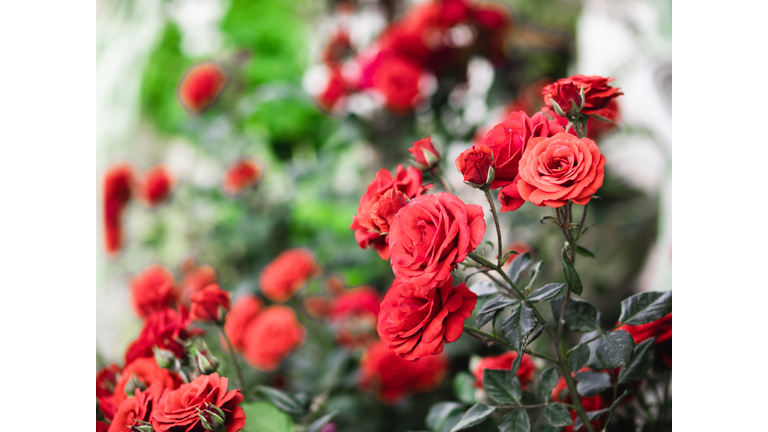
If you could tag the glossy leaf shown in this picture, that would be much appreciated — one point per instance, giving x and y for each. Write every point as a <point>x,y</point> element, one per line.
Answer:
<point>282,400</point>
<point>439,414</point>
<point>518,326</point>
<point>557,415</point>
<point>475,415</point>
<point>584,252</point>
<point>592,383</point>
<point>642,359</point>
<point>516,365</point>
<point>317,425</point>
<point>463,387</point>
<point>518,266</point>
<point>580,316</point>
<point>578,357</point>
<point>515,421</point>
<point>534,274</point>
<point>262,416</point>
<point>615,349</point>
<point>547,382</point>
<point>591,415</point>
<point>645,307</point>
<point>570,274</point>
<point>491,308</point>
<point>484,288</point>
<point>548,291</point>
<point>502,386</point>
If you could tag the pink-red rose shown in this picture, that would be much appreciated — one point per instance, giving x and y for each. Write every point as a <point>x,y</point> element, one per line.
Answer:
<point>210,304</point>
<point>597,94</point>
<point>271,337</point>
<point>477,166</point>
<point>417,324</point>
<point>287,274</point>
<point>431,235</point>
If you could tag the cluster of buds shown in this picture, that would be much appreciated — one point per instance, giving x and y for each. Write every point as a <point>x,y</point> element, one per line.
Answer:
<point>201,357</point>
<point>212,418</point>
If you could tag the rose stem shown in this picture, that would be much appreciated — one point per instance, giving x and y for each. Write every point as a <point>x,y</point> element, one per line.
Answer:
<point>233,356</point>
<point>496,221</point>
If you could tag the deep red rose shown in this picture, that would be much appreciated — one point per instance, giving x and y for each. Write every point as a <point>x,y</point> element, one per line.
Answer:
<point>416,324</point>
<point>597,94</point>
<point>431,235</point>
<point>156,185</point>
<point>592,403</point>
<point>477,166</point>
<point>106,380</point>
<point>271,337</point>
<point>201,85</point>
<point>167,329</point>
<point>287,274</point>
<point>154,378</point>
<point>210,304</point>
<point>425,153</point>
<point>508,141</point>
<point>392,378</point>
<point>117,189</point>
<point>152,290</point>
<point>177,411</point>
<point>379,206</point>
<point>132,410</point>
<point>102,427</point>
<point>195,279</point>
<point>561,168</point>
<point>353,316</point>
<point>397,79</point>
<point>244,311</point>
<point>504,362</point>
<point>491,16</point>
<point>336,87</point>
<point>661,329</point>
<point>240,175</point>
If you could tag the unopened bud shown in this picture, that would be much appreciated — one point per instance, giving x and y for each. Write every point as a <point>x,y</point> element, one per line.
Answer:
<point>133,384</point>
<point>207,363</point>
<point>477,166</point>
<point>212,418</point>
<point>556,107</point>
<point>425,153</point>
<point>165,359</point>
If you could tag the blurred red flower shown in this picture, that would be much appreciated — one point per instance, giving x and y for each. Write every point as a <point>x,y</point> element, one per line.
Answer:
<point>152,290</point>
<point>167,329</point>
<point>591,403</point>
<point>243,312</point>
<point>201,85</point>
<point>117,189</point>
<point>195,279</point>
<point>155,185</point>
<point>661,329</point>
<point>242,174</point>
<point>504,362</point>
<point>106,380</point>
<point>209,304</point>
<point>353,316</point>
<point>271,337</point>
<point>287,274</point>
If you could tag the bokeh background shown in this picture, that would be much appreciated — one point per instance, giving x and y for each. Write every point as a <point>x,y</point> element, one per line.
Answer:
<point>316,162</point>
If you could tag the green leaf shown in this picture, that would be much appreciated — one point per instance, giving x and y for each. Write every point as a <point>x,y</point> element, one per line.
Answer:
<point>580,316</point>
<point>584,252</point>
<point>536,333</point>
<point>518,326</point>
<point>645,307</point>
<point>591,415</point>
<point>547,382</point>
<point>317,425</point>
<point>557,415</point>
<point>570,274</point>
<point>615,349</point>
<point>592,383</point>
<point>282,400</point>
<point>502,386</point>
<point>518,266</point>
<point>491,308</point>
<point>463,387</point>
<point>439,414</point>
<point>475,415</point>
<point>262,416</point>
<point>548,291</point>
<point>642,358</point>
<point>578,358</point>
<point>484,288</point>
<point>515,421</point>
<point>534,274</point>
<point>516,365</point>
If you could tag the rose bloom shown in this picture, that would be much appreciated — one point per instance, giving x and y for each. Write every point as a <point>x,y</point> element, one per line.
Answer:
<point>561,168</point>
<point>195,279</point>
<point>504,362</point>
<point>240,175</point>
<point>243,312</point>
<point>334,90</point>
<point>178,410</point>
<point>431,235</point>
<point>397,79</point>
<point>661,329</point>
<point>373,216</point>
<point>210,304</point>
<point>201,85</point>
<point>392,378</point>
<point>417,324</point>
<point>155,185</point>
<point>477,166</point>
<point>167,329</point>
<point>152,290</point>
<point>425,153</point>
<point>287,274</point>
<point>353,316</point>
<point>106,380</point>
<point>117,192</point>
<point>132,410</point>
<point>317,306</point>
<point>597,94</point>
<point>154,378</point>
<point>271,337</point>
<point>592,403</point>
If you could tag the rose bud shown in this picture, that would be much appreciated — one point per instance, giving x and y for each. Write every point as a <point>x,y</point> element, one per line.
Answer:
<point>133,384</point>
<point>210,304</point>
<point>165,359</point>
<point>212,418</point>
<point>477,166</point>
<point>206,362</point>
<point>425,153</point>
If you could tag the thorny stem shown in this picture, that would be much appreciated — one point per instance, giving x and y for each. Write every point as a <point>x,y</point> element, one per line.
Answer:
<point>496,221</point>
<point>233,356</point>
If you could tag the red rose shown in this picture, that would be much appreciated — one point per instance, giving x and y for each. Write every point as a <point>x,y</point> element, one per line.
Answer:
<point>520,248</point>
<point>195,279</point>
<point>597,94</point>
<point>376,212</point>
<point>106,380</point>
<point>507,141</point>
<point>592,403</point>
<point>425,153</point>
<point>416,324</point>
<point>201,85</point>
<point>132,410</point>
<point>240,175</point>
<point>287,274</point>
<point>477,166</point>
<point>353,316</point>
<point>431,235</point>
<point>392,378</point>
<point>156,185</point>
<point>317,306</point>
<point>397,79</point>
<point>167,329</point>
<point>661,329</point>
<point>561,168</point>
<point>244,311</point>
<point>152,290</point>
<point>271,337</point>
<point>504,362</point>
<point>146,371</point>
<point>331,88</point>
<point>102,427</point>
<point>210,304</point>
<point>117,189</point>
<point>181,409</point>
